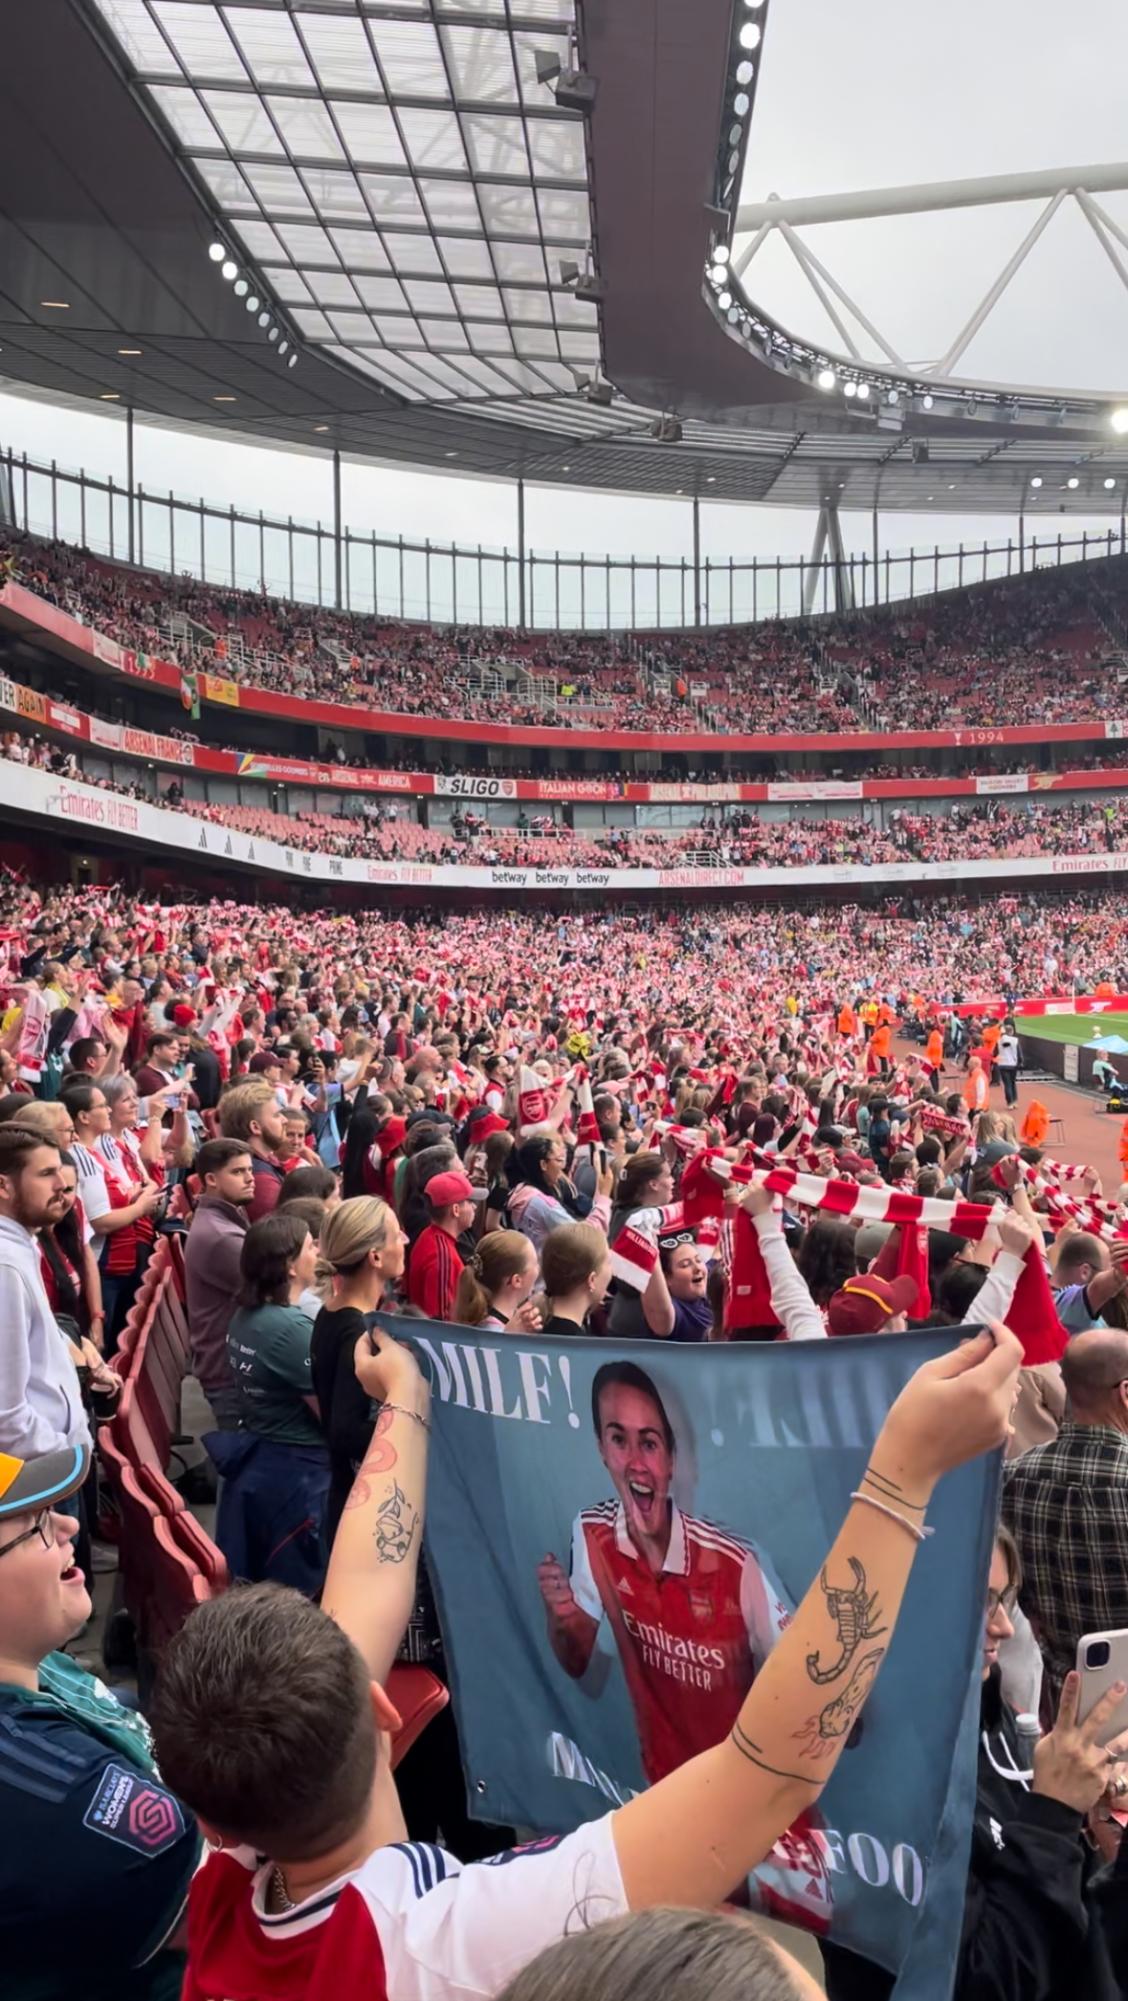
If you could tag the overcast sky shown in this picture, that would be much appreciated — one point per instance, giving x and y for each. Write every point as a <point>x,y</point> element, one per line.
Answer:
<point>851,97</point>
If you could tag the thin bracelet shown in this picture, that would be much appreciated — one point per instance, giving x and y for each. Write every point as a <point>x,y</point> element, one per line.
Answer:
<point>918,1534</point>
<point>403,1411</point>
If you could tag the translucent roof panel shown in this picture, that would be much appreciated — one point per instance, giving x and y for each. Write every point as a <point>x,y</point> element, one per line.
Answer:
<point>404,186</point>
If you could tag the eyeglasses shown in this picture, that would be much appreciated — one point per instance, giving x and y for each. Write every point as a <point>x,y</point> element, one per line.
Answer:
<point>40,1527</point>
<point>1004,1601</point>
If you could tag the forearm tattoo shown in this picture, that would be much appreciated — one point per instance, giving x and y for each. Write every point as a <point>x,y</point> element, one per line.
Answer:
<point>856,1617</point>
<point>396,1523</point>
<point>380,1457</point>
<point>821,1734</point>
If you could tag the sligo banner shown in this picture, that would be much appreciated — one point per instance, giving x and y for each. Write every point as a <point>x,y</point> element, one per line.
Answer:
<point>617,1533</point>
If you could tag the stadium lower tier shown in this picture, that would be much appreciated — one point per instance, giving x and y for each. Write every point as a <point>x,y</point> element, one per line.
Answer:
<point>1059,843</point>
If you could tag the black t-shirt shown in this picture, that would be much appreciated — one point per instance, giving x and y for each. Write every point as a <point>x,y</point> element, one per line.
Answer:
<point>556,1324</point>
<point>347,1413</point>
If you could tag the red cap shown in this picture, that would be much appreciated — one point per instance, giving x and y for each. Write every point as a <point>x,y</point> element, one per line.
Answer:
<point>485,1121</point>
<point>444,1189</point>
<point>864,1304</point>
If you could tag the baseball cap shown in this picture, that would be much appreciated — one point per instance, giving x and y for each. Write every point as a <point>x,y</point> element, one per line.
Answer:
<point>29,1484</point>
<point>864,1304</point>
<point>451,1186</point>
<point>263,1060</point>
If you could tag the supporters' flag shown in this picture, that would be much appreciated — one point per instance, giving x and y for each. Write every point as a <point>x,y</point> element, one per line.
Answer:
<point>587,1129</point>
<point>190,691</point>
<point>633,1258</point>
<point>749,1299</point>
<point>532,1099</point>
<point>766,1444</point>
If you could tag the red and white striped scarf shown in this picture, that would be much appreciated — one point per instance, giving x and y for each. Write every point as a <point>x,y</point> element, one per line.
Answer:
<point>865,1204</point>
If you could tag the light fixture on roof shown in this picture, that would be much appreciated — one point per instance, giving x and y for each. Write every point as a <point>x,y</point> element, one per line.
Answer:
<point>241,288</point>
<point>849,387</point>
<point>223,399</point>
<point>721,254</point>
<point>1119,420</point>
<point>1037,480</point>
<point>718,273</point>
<point>863,392</point>
<point>1109,484</point>
<point>741,104</point>
<point>273,334</point>
<point>584,284</point>
<point>745,72</point>
<point>826,378</point>
<point>321,427</point>
<point>450,455</point>
<point>56,305</point>
<point>217,252</point>
<point>292,362</point>
<point>725,301</point>
<point>283,347</point>
<point>1073,483</point>
<point>753,5</point>
<point>573,89</point>
<point>750,35</point>
<point>264,319</point>
<point>711,479</point>
<point>893,397</point>
<point>252,304</point>
<point>110,396</point>
<point>129,350</point>
<point>229,271</point>
<point>926,401</point>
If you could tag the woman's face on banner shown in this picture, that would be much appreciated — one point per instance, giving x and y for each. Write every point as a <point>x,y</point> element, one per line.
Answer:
<point>632,1442</point>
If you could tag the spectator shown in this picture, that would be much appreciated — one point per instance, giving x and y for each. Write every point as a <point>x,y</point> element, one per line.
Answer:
<point>93,1889</point>
<point>541,1198</point>
<point>313,1798</point>
<point>576,1271</point>
<point>270,1523</point>
<point>361,1254</point>
<point>160,1071</point>
<point>435,1262</point>
<point>251,1113</point>
<point>212,1265</point>
<point>1066,1504</point>
<point>40,1398</point>
<point>1086,1276</point>
<point>494,1288</point>
<point>118,1196</point>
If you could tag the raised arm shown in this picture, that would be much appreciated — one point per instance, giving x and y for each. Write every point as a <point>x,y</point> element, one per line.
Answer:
<point>370,1586</point>
<point>791,1301</point>
<point>692,1838</point>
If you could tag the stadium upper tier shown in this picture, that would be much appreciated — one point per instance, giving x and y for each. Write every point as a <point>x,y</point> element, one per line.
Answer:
<point>1026,654</point>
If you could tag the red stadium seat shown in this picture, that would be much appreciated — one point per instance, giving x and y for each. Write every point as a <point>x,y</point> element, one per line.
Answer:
<point>418,1695</point>
<point>196,1543</point>
<point>178,1584</point>
<point>160,1491</point>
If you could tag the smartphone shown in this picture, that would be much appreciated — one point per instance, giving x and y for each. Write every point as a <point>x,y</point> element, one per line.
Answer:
<point>1102,1658</point>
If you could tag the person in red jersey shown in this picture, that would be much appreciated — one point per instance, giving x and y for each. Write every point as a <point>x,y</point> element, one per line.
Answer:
<point>436,1262</point>
<point>268,1720</point>
<point>694,1610</point>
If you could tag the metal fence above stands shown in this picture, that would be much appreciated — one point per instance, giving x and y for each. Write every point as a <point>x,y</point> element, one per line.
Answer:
<point>397,577</point>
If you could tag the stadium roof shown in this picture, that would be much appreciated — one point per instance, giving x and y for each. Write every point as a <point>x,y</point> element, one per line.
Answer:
<point>445,258</point>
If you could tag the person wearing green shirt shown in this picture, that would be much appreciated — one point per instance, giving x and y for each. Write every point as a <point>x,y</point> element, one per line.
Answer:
<point>270,1519</point>
<point>95,1871</point>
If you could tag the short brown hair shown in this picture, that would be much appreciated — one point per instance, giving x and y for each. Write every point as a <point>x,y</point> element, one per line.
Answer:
<point>215,1154</point>
<point>241,1107</point>
<point>262,1720</point>
<point>268,1250</point>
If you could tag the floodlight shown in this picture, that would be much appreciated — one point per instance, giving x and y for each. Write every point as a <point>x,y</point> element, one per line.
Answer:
<point>241,288</point>
<point>750,35</point>
<point>1037,480</point>
<point>826,378</point>
<point>926,402</point>
<point>1073,484</point>
<point>252,304</point>
<point>740,103</point>
<point>229,270</point>
<point>217,252</point>
<point>893,397</point>
<point>721,254</point>
<point>850,388</point>
<point>745,72</point>
<point>725,301</point>
<point>863,391</point>
<point>1119,420</point>
<point>1109,484</point>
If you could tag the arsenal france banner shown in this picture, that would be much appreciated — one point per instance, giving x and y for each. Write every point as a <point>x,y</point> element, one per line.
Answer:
<point>617,1532</point>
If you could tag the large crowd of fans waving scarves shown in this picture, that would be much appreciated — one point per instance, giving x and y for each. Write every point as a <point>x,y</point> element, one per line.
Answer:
<point>989,829</point>
<point>509,1105</point>
<point>1039,646</point>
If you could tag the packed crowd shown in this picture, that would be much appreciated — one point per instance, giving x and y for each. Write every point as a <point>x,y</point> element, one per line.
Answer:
<point>990,829</point>
<point>1041,646</point>
<point>674,1127</point>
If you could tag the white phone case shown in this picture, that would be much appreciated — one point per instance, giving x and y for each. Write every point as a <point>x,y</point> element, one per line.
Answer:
<point>1095,1680</point>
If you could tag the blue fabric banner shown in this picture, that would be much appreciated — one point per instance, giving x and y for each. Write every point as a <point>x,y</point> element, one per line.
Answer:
<point>616,1534</point>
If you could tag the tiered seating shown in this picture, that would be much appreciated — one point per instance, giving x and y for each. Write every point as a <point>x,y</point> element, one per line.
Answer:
<point>167,1562</point>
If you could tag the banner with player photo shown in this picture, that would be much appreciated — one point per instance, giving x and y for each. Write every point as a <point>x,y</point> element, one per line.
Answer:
<point>617,1533</point>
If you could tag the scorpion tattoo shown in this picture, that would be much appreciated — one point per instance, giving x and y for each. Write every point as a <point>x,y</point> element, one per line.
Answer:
<point>855,1615</point>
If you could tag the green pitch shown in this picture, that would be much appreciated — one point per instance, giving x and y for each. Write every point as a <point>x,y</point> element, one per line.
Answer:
<point>1079,1028</point>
